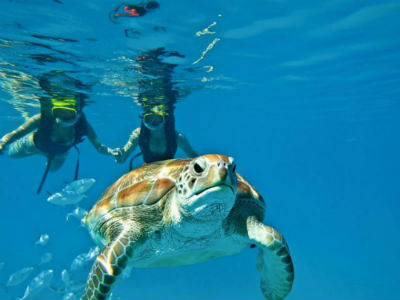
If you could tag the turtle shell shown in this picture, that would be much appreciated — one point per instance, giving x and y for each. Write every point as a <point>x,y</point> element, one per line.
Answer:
<point>145,185</point>
<point>148,184</point>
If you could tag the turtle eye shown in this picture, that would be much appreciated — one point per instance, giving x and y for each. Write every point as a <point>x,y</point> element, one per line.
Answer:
<point>197,168</point>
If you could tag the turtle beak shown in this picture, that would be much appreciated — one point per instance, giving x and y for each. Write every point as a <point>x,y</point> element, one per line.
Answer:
<point>226,172</point>
<point>217,193</point>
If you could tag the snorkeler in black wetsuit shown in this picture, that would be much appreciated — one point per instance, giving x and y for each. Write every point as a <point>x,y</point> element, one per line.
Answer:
<point>157,139</point>
<point>156,136</point>
<point>60,125</point>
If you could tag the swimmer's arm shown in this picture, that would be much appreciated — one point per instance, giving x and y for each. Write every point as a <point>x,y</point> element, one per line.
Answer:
<point>130,145</point>
<point>184,144</point>
<point>28,126</point>
<point>98,145</point>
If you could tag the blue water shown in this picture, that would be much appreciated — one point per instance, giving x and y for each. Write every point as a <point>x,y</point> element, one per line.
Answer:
<point>304,95</point>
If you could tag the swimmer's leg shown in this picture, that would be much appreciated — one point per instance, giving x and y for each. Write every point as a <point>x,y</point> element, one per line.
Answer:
<point>23,147</point>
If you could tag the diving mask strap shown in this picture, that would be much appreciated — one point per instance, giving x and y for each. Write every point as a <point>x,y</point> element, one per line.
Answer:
<point>77,163</point>
<point>48,165</point>
<point>46,171</point>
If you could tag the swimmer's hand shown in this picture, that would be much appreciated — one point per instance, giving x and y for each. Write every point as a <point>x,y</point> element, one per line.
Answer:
<point>2,146</point>
<point>114,152</point>
<point>120,157</point>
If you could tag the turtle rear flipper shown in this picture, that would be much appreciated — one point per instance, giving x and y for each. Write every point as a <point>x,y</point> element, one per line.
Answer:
<point>108,265</point>
<point>274,262</point>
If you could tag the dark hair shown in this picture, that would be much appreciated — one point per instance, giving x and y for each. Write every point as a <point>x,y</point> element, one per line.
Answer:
<point>152,5</point>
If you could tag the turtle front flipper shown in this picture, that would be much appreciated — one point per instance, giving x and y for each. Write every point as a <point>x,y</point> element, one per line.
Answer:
<point>274,262</point>
<point>107,266</point>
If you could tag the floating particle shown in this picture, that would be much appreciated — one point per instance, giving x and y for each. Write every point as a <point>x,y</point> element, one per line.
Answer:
<point>43,240</point>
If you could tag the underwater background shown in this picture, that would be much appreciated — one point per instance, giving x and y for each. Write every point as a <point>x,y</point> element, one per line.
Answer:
<point>305,95</point>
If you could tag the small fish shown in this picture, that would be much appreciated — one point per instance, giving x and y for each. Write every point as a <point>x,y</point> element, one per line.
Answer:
<point>42,280</point>
<point>78,213</point>
<point>69,296</point>
<point>43,240</point>
<point>19,276</point>
<point>72,193</point>
<point>126,273</point>
<point>83,258</point>
<point>93,252</point>
<point>80,186</point>
<point>65,279</point>
<point>46,258</point>
<point>66,198</point>
<point>78,262</point>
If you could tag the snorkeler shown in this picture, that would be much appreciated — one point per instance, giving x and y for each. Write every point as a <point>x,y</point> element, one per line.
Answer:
<point>132,10</point>
<point>156,136</point>
<point>59,126</point>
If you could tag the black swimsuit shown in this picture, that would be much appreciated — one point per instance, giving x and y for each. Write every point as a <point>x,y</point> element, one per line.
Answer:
<point>170,137</point>
<point>42,138</point>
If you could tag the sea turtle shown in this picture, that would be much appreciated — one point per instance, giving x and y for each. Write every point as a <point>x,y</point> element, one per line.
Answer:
<point>180,212</point>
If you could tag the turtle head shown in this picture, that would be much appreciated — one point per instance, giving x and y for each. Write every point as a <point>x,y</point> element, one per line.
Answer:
<point>206,188</point>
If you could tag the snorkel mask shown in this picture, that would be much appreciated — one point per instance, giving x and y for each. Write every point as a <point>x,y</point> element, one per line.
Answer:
<point>155,118</point>
<point>153,121</point>
<point>64,110</point>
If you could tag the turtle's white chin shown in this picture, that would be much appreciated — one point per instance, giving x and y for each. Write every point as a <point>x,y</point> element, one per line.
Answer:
<point>212,204</point>
<point>202,214</point>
